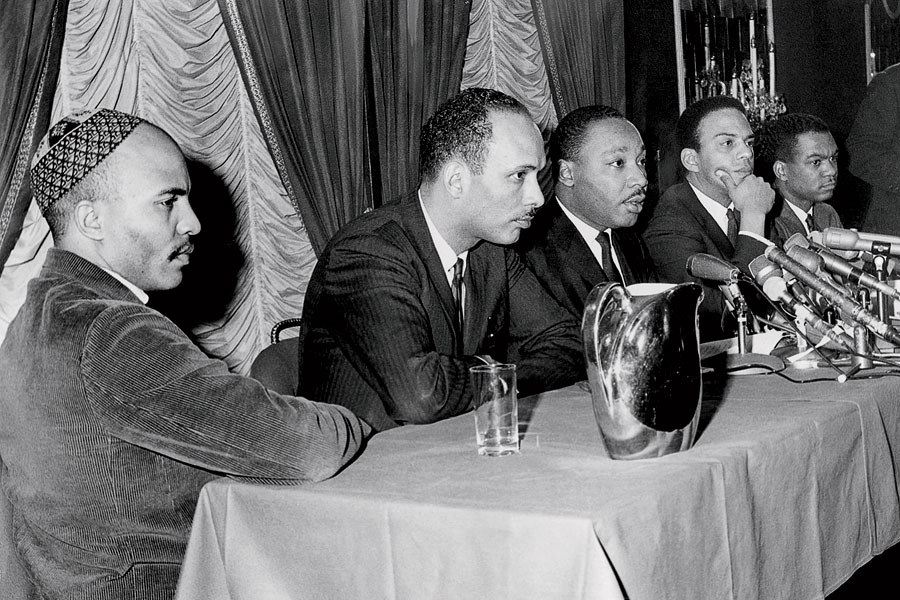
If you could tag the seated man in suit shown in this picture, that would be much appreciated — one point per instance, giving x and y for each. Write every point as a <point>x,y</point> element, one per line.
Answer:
<point>797,153</point>
<point>582,237</point>
<point>406,298</point>
<point>719,210</point>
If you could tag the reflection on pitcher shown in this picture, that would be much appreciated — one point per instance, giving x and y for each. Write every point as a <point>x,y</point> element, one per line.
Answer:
<point>643,362</point>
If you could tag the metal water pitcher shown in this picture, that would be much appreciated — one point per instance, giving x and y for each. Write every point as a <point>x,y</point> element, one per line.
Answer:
<point>643,364</point>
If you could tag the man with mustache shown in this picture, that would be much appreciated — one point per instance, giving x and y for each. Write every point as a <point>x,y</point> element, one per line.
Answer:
<point>719,210</point>
<point>799,155</point>
<point>405,299</point>
<point>583,236</point>
<point>112,419</point>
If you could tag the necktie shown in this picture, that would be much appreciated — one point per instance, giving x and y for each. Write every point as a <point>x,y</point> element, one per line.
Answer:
<point>810,224</point>
<point>734,225</point>
<point>606,262</point>
<point>456,288</point>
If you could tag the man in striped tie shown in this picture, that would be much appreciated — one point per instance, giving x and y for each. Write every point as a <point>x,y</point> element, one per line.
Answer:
<point>406,298</point>
<point>716,151</point>
<point>798,154</point>
<point>584,235</point>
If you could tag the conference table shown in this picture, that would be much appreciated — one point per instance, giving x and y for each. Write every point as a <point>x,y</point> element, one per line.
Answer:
<point>789,488</point>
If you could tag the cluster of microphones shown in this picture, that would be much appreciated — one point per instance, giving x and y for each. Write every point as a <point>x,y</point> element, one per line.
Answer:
<point>832,286</point>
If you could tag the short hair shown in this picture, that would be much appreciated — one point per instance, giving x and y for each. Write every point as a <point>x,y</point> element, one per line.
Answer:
<point>461,128</point>
<point>687,128</point>
<point>777,138</point>
<point>567,140</point>
<point>96,185</point>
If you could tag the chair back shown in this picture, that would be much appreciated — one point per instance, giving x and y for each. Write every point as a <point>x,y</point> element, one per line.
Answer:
<point>276,366</point>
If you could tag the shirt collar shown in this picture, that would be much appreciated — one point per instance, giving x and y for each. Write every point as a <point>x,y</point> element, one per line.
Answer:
<point>801,214</point>
<point>718,212</point>
<point>141,294</point>
<point>445,252</point>
<point>588,232</point>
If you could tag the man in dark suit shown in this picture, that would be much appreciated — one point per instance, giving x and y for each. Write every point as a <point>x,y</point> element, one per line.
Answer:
<point>798,154</point>
<point>406,298</point>
<point>582,237</point>
<point>719,210</point>
<point>874,149</point>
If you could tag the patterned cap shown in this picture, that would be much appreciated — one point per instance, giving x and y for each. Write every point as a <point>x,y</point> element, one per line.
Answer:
<point>73,148</point>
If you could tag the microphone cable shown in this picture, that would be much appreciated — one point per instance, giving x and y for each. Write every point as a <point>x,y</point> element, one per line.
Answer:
<point>842,375</point>
<point>791,327</point>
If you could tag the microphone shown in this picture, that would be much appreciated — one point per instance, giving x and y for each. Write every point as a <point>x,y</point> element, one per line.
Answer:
<point>706,266</point>
<point>838,265</point>
<point>769,276</point>
<point>845,304</point>
<point>816,238</point>
<point>814,263</point>
<point>847,239</point>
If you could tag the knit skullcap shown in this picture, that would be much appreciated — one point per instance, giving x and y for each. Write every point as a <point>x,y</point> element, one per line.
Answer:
<point>73,148</point>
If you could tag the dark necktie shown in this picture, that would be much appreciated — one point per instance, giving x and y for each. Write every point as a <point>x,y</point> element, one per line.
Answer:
<point>607,264</point>
<point>734,225</point>
<point>456,288</point>
<point>810,224</point>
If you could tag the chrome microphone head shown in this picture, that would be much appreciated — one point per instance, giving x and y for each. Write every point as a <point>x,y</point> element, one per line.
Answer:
<point>795,240</point>
<point>707,266</point>
<point>762,269</point>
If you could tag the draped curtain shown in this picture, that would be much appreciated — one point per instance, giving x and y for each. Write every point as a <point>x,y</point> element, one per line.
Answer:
<point>726,8</point>
<point>583,44</point>
<point>417,48</point>
<point>303,62</point>
<point>31,37</point>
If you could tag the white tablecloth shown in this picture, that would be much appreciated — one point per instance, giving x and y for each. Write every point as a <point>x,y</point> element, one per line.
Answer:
<point>789,489</point>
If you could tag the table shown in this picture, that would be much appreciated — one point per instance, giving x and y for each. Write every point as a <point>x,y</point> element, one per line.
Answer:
<point>788,490</point>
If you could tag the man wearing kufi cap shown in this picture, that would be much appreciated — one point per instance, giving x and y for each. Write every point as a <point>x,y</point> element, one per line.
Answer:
<point>112,419</point>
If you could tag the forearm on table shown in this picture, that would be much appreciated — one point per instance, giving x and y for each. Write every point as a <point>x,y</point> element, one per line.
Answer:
<point>153,388</point>
<point>386,335</point>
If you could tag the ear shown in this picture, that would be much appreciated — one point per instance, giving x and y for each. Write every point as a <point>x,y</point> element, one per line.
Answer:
<point>689,160</point>
<point>455,177</point>
<point>566,174</point>
<point>779,169</point>
<point>87,220</point>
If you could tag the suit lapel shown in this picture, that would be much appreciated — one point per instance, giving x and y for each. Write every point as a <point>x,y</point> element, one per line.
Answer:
<point>477,312</point>
<point>571,252</point>
<point>790,216</point>
<point>623,250</point>
<point>415,225</point>
<point>708,224</point>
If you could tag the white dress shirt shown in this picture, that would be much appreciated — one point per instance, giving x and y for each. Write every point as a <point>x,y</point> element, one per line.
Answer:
<point>719,213</point>
<point>590,233</point>
<point>446,254</point>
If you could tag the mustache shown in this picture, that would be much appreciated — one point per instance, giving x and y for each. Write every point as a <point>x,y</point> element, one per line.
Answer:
<point>185,248</point>
<point>640,193</point>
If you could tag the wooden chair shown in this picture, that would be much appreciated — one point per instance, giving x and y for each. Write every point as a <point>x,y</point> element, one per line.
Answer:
<point>276,366</point>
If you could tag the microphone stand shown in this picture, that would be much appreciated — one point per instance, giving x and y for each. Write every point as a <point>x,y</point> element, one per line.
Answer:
<point>748,363</point>
<point>880,262</point>
<point>862,357</point>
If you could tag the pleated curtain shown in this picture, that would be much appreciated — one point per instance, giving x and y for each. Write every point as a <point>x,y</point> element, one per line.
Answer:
<point>31,37</point>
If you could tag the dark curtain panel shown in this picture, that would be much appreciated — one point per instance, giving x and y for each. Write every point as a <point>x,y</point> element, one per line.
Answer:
<point>31,37</point>
<point>583,44</point>
<point>417,52</point>
<point>303,62</point>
